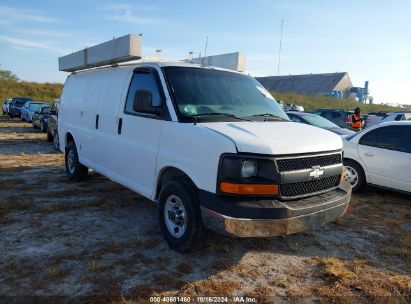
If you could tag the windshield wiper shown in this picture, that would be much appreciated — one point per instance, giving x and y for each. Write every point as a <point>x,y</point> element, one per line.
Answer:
<point>269,115</point>
<point>219,114</point>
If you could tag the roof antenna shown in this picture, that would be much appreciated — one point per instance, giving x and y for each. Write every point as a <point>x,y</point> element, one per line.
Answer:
<point>279,50</point>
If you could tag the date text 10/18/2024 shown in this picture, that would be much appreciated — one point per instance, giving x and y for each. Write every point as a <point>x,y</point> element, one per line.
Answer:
<point>203,299</point>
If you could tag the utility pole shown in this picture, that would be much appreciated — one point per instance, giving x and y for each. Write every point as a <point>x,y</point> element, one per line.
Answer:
<point>205,49</point>
<point>279,50</point>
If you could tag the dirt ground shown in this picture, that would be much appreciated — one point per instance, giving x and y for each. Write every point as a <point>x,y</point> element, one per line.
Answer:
<point>98,242</point>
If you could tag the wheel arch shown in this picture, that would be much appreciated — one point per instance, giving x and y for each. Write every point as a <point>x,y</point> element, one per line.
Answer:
<point>359,164</point>
<point>166,173</point>
<point>68,138</point>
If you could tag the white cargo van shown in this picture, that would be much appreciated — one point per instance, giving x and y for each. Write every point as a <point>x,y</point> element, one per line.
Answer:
<point>211,146</point>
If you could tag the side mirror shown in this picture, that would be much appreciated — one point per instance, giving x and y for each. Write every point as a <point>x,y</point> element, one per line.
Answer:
<point>53,113</point>
<point>143,102</point>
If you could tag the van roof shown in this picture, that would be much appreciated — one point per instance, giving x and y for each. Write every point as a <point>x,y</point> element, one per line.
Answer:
<point>159,63</point>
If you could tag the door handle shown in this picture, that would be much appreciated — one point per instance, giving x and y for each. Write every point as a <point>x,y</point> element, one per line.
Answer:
<point>97,118</point>
<point>120,125</point>
<point>368,154</point>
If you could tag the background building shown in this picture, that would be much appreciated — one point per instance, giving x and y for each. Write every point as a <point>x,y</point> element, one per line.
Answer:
<point>329,84</point>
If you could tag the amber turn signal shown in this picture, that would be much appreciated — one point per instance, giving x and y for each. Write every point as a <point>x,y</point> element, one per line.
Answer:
<point>256,189</point>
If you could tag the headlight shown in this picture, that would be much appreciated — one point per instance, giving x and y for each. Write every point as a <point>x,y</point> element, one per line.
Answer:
<point>248,168</point>
<point>247,174</point>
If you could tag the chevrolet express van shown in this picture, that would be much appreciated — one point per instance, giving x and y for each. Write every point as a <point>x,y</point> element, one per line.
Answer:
<point>211,146</point>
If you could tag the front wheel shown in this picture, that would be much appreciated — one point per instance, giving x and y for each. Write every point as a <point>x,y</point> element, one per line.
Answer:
<point>74,169</point>
<point>180,215</point>
<point>354,174</point>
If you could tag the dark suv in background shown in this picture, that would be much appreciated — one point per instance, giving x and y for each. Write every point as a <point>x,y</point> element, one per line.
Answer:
<point>52,134</point>
<point>341,118</point>
<point>16,105</point>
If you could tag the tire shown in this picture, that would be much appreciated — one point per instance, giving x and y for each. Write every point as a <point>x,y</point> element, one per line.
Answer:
<point>42,127</point>
<point>34,126</point>
<point>56,143</point>
<point>74,169</point>
<point>49,136</point>
<point>355,175</point>
<point>178,197</point>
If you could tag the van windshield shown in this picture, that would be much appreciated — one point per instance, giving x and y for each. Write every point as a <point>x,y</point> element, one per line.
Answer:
<point>209,94</point>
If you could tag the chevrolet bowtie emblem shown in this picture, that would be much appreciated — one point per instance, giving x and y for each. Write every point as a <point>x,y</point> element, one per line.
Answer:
<point>316,172</point>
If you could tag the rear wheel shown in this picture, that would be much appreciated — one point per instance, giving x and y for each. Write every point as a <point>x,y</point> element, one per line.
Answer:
<point>49,136</point>
<point>180,215</point>
<point>354,174</point>
<point>74,169</point>
<point>42,126</point>
<point>56,142</point>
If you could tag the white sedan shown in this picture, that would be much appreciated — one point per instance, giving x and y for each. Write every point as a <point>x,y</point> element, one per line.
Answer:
<point>380,155</point>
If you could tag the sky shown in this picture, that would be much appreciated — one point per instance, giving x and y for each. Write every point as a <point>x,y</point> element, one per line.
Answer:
<point>371,40</point>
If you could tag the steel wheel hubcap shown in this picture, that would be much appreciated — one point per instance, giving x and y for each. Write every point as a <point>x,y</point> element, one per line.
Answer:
<point>71,160</point>
<point>175,216</point>
<point>351,176</point>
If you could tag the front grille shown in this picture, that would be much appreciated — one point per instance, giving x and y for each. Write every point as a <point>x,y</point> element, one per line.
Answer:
<point>302,188</point>
<point>293,164</point>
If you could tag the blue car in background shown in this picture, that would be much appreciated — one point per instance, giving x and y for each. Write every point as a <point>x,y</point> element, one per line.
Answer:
<point>17,103</point>
<point>31,107</point>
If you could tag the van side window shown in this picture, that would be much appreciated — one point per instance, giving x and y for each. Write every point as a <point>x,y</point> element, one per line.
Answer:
<point>142,81</point>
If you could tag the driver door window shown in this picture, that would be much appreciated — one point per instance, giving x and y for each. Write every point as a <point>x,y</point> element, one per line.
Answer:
<point>142,81</point>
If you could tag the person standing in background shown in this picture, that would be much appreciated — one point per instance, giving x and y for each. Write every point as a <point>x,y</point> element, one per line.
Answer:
<point>356,120</point>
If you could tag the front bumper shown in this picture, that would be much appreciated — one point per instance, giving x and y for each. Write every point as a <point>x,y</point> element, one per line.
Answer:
<point>274,218</point>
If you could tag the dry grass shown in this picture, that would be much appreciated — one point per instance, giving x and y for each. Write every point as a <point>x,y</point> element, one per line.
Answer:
<point>281,282</point>
<point>184,267</point>
<point>9,204</point>
<point>114,247</point>
<point>55,273</point>
<point>210,287</point>
<point>355,280</point>
<point>403,249</point>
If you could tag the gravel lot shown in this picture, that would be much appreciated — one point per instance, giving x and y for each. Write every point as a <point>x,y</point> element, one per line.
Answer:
<point>98,242</point>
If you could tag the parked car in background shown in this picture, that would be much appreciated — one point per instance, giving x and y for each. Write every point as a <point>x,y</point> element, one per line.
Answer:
<point>17,103</point>
<point>292,107</point>
<point>374,118</point>
<point>341,118</point>
<point>5,106</point>
<point>380,155</point>
<point>40,118</point>
<point>52,132</point>
<point>29,108</point>
<point>318,121</point>
<point>396,116</point>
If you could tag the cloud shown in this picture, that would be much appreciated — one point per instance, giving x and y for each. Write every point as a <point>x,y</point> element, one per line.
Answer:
<point>128,6</point>
<point>132,13</point>
<point>10,15</point>
<point>43,32</point>
<point>30,44</point>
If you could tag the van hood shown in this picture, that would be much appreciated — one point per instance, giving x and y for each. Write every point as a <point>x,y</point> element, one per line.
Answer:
<point>276,138</point>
